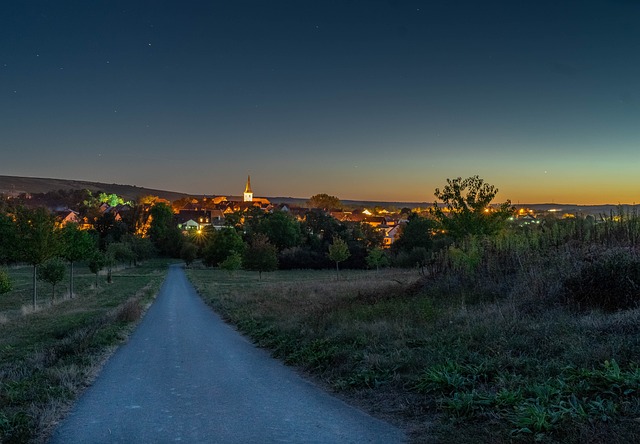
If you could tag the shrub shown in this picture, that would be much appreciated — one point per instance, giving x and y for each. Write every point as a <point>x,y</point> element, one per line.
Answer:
<point>5,282</point>
<point>610,282</point>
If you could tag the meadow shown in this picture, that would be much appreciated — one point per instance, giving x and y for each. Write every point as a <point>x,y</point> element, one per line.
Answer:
<point>508,339</point>
<point>49,355</point>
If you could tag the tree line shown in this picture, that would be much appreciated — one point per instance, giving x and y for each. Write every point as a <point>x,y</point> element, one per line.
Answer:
<point>252,239</point>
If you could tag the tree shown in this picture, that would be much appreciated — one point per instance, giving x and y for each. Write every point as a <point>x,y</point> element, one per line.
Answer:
<point>261,255</point>
<point>97,262</point>
<point>281,229</point>
<point>338,252</point>
<point>111,199</point>
<point>117,252</point>
<point>5,282</point>
<point>188,253</point>
<point>163,232</point>
<point>142,247</point>
<point>76,245</point>
<point>466,208</point>
<point>52,272</point>
<point>38,239</point>
<point>223,243</point>
<point>324,202</point>
<point>232,263</point>
<point>417,232</point>
<point>376,258</point>
<point>8,236</point>
<point>109,229</point>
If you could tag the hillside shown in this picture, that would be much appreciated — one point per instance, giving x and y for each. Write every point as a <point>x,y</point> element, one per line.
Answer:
<point>14,185</point>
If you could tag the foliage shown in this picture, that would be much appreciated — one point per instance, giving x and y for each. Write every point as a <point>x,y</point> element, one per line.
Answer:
<point>37,239</point>
<point>188,253</point>
<point>111,199</point>
<point>416,233</point>
<point>338,252</point>
<point>468,208</point>
<point>5,282</point>
<point>52,272</point>
<point>8,236</point>
<point>76,245</point>
<point>223,243</point>
<point>163,232</point>
<point>377,258</point>
<point>282,229</point>
<point>232,263</point>
<point>97,261</point>
<point>260,255</point>
<point>608,281</point>
<point>120,252</point>
<point>303,257</point>
<point>142,247</point>
<point>36,234</point>
<point>324,202</point>
<point>109,229</point>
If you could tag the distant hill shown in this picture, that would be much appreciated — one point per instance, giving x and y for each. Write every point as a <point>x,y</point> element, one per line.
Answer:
<point>14,185</point>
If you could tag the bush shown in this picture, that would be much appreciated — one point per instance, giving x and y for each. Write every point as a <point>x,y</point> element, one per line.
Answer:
<point>5,282</point>
<point>303,258</point>
<point>610,282</point>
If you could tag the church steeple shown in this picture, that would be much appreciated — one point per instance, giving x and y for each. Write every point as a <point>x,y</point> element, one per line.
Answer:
<point>248,194</point>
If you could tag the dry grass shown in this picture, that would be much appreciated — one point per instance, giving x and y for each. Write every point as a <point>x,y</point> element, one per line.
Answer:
<point>377,339</point>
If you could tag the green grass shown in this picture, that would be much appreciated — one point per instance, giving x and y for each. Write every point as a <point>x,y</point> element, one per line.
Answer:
<point>49,355</point>
<point>450,362</point>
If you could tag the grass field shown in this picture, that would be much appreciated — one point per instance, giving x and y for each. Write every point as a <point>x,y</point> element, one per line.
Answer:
<point>49,355</point>
<point>448,362</point>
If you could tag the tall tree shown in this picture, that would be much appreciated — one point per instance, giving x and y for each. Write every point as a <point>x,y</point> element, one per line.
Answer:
<point>76,245</point>
<point>163,231</point>
<point>223,243</point>
<point>324,202</point>
<point>38,239</point>
<point>468,210</point>
<point>417,232</point>
<point>260,255</point>
<point>282,229</point>
<point>338,252</point>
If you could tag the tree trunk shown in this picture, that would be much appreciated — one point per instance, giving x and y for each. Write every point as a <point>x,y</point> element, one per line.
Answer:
<point>35,294</point>
<point>97,280</point>
<point>53,294</point>
<point>337,272</point>
<point>71,282</point>
<point>109,279</point>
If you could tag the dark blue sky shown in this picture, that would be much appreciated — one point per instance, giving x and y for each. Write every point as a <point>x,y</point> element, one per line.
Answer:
<point>378,100</point>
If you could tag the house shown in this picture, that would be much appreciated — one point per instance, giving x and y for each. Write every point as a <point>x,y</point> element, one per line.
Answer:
<point>193,219</point>
<point>67,216</point>
<point>391,234</point>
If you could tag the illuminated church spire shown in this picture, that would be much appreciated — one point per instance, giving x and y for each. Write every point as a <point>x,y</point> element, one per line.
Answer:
<point>248,194</point>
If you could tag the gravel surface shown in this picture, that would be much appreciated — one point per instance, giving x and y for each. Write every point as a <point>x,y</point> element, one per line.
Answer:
<point>186,376</point>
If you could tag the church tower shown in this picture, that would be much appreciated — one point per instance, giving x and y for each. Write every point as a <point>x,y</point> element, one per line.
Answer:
<point>248,194</point>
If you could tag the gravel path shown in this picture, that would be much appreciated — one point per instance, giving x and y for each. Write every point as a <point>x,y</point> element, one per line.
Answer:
<point>186,376</point>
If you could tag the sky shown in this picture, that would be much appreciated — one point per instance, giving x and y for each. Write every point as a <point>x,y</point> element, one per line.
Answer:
<point>366,100</point>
